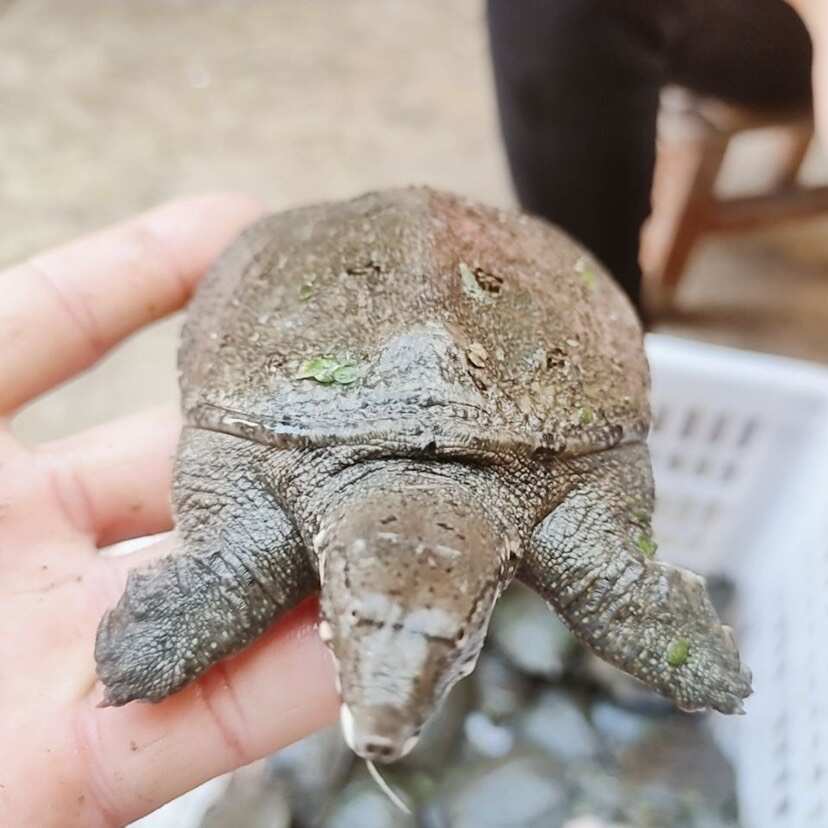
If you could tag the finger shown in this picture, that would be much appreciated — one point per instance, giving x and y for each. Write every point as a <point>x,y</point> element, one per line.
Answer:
<point>112,482</point>
<point>137,757</point>
<point>62,311</point>
<point>66,590</point>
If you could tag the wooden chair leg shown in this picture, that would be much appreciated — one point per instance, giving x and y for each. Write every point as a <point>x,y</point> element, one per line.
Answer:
<point>683,197</point>
<point>797,142</point>
<point>694,137</point>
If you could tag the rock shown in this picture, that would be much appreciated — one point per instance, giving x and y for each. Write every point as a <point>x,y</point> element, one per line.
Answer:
<point>312,770</point>
<point>589,821</point>
<point>442,732</point>
<point>557,725</point>
<point>597,792</point>
<point>252,799</point>
<point>620,728</point>
<point>486,738</point>
<point>416,786</point>
<point>681,756</point>
<point>529,634</point>
<point>525,790</point>
<point>704,818</point>
<point>654,807</point>
<point>500,690</point>
<point>363,805</point>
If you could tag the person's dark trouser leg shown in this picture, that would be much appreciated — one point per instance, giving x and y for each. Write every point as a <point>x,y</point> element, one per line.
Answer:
<point>577,85</point>
<point>577,89</point>
<point>751,52</point>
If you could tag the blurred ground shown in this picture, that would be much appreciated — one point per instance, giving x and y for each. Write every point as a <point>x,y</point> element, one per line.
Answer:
<point>110,107</point>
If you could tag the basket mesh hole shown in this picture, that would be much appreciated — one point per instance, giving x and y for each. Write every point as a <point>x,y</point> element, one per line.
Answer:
<point>711,511</point>
<point>703,467</point>
<point>690,423</point>
<point>659,418</point>
<point>718,429</point>
<point>749,430</point>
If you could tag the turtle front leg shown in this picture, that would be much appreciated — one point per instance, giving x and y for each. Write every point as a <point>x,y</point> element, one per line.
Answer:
<point>240,563</point>
<point>592,560</point>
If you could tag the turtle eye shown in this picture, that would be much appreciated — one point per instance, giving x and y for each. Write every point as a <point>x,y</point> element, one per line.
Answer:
<point>460,637</point>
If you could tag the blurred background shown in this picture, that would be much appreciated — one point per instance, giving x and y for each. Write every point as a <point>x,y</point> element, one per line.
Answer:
<point>111,107</point>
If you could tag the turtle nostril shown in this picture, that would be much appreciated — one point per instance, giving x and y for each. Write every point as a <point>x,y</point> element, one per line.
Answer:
<point>378,749</point>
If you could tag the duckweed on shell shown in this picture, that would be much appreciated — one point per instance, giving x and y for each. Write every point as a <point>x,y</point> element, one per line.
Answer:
<point>647,546</point>
<point>328,370</point>
<point>678,652</point>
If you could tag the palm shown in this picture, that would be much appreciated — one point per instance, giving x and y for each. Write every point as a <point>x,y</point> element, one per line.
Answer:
<point>72,762</point>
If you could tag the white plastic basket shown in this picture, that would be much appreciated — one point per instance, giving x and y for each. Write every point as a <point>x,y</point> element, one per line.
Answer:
<point>740,453</point>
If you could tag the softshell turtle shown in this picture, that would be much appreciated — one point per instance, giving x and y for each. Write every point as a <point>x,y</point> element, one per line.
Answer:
<point>408,400</point>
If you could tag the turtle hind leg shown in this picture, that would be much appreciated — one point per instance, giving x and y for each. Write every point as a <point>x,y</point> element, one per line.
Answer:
<point>592,559</point>
<point>239,564</point>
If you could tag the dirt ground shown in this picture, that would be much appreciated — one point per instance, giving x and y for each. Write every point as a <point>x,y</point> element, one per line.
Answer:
<point>111,106</point>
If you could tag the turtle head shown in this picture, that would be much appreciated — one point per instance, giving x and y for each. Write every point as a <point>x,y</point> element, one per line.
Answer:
<point>410,571</point>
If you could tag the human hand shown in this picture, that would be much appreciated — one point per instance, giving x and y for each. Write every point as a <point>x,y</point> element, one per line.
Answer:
<point>65,761</point>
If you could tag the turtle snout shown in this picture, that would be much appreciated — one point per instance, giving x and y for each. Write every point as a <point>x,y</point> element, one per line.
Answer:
<point>377,735</point>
